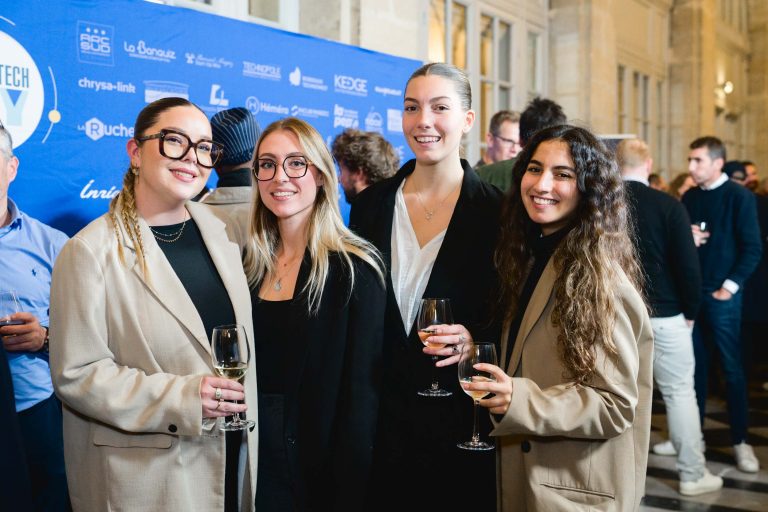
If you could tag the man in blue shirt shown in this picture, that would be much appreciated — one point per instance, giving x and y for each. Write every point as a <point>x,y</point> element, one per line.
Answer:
<point>28,249</point>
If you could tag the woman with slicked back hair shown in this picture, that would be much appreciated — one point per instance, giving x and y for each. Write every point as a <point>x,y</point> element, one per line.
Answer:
<point>134,299</point>
<point>435,223</point>
<point>571,397</point>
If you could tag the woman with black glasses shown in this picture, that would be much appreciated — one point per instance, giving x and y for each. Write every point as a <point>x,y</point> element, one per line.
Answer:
<point>318,301</point>
<point>134,299</point>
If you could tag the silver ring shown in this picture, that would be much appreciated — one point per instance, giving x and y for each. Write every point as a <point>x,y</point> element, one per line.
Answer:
<point>456,349</point>
<point>217,395</point>
<point>462,339</point>
<point>218,404</point>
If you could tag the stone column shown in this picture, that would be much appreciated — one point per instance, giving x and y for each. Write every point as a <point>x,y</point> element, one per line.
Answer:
<point>757,89</point>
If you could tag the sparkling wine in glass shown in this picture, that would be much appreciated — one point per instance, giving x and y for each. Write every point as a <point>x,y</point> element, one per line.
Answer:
<point>9,305</point>
<point>473,354</point>
<point>433,312</point>
<point>231,354</point>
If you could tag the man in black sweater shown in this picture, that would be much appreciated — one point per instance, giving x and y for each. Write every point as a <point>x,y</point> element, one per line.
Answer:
<point>673,289</point>
<point>729,250</point>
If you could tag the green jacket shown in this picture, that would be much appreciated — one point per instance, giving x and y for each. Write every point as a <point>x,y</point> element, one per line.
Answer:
<point>498,174</point>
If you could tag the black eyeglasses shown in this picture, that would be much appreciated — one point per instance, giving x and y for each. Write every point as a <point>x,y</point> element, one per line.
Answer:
<point>294,166</point>
<point>506,140</point>
<point>175,145</point>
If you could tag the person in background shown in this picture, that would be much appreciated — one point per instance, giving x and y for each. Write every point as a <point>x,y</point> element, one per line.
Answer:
<point>752,178</point>
<point>28,250</point>
<point>736,171</point>
<point>656,181</point>
<point>237,131</point>
<point>680,185</point>
<point>134,300</point>
<point>571,398</point>
<point>662,233</point>
<point>318,298</point>
<point>364,158</point>
<point>539,114</point>
<point>502,142</point>
<point>729,250</point>
<point>436,225</point>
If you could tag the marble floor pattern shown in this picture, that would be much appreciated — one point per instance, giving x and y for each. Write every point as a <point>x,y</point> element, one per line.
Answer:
<point>741,491</point>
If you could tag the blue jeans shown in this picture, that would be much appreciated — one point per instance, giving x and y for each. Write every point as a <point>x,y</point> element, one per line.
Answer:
<point>673,366</point>
<point>719,327</point>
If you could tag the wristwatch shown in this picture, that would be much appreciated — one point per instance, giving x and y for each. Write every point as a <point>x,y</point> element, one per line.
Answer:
<point>44,348</point>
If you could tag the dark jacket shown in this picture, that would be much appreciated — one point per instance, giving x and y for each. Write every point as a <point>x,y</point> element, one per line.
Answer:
<point>666,251</point>
<point>418,435</point>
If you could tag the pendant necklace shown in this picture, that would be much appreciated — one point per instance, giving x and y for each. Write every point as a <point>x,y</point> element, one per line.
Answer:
<point>279,282</point>
<point>428,214</point>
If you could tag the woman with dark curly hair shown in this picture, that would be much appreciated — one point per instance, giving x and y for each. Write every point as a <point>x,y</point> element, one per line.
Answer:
<point>572,410</point>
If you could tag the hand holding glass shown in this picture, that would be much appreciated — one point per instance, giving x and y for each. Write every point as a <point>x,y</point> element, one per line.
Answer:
<point>9,305</point>
<point>476,353</point>
<point>231,354</point>
<point>433,312</point>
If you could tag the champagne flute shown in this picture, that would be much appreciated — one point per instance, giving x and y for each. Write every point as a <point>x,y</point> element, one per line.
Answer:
<point>9,305</point>
<point>231,354</point>
<point>433,312</point>
<point>473,354</point>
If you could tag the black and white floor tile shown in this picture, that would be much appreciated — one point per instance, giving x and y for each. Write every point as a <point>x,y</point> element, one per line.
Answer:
<point>741,491</point>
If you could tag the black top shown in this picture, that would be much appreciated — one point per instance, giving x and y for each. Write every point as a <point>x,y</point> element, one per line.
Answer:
<point>274,347</point>
<point>237,178</point>
<point>195,269</point>
<point>666,251</point>
<point>417,436</point>
<point>542,247</point>
<point>733,249</point>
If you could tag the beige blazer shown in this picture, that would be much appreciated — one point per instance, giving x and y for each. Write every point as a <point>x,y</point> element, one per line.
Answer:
<point>566,447</point>
<point>127,358</point>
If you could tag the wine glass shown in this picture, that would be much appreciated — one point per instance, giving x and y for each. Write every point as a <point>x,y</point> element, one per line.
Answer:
<point>231,354</point>
<point>9,305</point>
<point>476,353</point>
<point>433,312</point>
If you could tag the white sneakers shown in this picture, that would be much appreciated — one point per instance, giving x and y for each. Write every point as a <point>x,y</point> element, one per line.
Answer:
<point>667,448</point>
<point>707,483</point>
<point>745,458</point>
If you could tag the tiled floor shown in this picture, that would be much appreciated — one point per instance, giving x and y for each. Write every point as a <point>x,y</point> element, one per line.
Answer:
<point>741,491</point>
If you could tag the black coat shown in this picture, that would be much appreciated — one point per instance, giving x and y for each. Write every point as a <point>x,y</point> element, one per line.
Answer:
<point>332,386</point>
<point>416,442</point>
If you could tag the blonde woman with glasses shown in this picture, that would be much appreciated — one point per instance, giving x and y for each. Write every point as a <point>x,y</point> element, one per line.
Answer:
<point>318,302</point>
<point>134,299</point>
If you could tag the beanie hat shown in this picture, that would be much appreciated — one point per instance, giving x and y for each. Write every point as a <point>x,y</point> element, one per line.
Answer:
<point>237,130</point>
<point>735,169</point>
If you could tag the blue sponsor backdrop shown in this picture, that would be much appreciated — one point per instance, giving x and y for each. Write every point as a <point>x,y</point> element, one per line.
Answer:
<point>74,75</point>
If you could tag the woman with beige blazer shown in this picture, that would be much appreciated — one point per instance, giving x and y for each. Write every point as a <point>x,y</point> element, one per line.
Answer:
<point>572,410</point>
<point>134,298</point>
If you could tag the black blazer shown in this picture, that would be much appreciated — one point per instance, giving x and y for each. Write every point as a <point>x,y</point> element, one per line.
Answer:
<point>332,387</point>
<point>418,435</point>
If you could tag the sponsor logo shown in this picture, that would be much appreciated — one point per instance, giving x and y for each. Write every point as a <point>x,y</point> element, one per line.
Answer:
<point>350,85</point>
<point>217,98</point>
<point>394,120</point>
<point>264,71</point>
<point>198,59</point>
<point>95,193</point>
<point>95,129</point>
<point>21,91</point>
<point>296,78</point>
<point>307,112</point>
<point>141,50</point>
<point>95,43</point>
<point>386,91</point>
<point>102,86</point>
<point>345,117</point>
<point>156,89</point>
<point>374,122</point>
<point>253,104</point>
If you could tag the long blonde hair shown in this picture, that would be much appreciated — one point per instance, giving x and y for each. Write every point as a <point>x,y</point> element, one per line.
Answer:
<point>326,231</point>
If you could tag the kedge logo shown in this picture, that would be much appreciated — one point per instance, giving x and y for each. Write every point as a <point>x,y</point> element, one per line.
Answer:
<point>350,85</point>
<point>21,90</point>
<point>95,43</point>
<point>95,129</point>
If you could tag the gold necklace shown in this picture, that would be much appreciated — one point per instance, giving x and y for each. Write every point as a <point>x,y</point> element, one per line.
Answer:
<point>428,214</point>
<point>172,237</point>
<point>279,282</point>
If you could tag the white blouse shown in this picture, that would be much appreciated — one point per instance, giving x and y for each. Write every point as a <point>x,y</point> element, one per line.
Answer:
<point>411,264</point>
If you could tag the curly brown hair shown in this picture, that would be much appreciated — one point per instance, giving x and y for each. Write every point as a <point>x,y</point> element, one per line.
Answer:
<point>589,261</point>
<point>366,151</point>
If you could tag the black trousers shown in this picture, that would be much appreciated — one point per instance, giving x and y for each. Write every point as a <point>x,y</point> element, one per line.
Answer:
<point>41,430</point>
